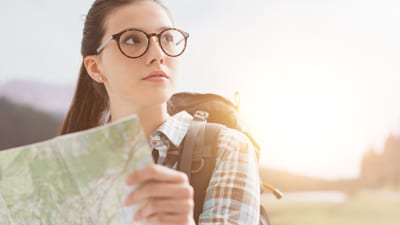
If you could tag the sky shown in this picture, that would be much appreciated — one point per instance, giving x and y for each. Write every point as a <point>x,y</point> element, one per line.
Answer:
<point>318,79</point>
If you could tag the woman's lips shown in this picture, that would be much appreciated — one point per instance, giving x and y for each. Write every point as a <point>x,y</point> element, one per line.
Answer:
<point>156,76</point>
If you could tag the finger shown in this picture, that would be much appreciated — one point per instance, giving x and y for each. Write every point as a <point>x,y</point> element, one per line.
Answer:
<point>160,190</point>
<point>156,172</point>
<point>165,206</point>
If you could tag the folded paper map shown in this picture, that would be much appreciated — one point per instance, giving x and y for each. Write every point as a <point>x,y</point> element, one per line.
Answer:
<point>74,179</point>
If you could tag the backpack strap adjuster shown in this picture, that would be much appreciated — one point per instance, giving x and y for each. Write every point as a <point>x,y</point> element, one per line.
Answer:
<point>201,166</point>
<point>200,115</point>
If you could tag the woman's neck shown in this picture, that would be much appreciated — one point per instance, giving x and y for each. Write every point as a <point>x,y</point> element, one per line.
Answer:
<point>151,117</point>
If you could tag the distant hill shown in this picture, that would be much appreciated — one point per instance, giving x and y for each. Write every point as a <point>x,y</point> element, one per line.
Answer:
<point>22,124</point>
<point>51,98</point>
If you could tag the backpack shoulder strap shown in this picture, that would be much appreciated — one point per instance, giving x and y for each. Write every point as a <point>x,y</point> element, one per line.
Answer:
<point>195,129</point>
<point>198,158</point>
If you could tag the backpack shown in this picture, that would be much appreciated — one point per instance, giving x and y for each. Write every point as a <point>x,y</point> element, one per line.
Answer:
<point>211,113</point>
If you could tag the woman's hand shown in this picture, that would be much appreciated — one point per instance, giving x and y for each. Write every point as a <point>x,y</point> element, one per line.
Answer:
<point>168,193</point>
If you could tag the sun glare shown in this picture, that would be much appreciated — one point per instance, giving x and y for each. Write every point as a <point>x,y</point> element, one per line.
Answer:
<point>301,125</point>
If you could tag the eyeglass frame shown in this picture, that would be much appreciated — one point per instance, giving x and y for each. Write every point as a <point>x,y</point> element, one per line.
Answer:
<point>117,37</point>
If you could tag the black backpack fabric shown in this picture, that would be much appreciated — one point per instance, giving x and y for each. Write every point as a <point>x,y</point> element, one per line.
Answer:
<point>198,156</point>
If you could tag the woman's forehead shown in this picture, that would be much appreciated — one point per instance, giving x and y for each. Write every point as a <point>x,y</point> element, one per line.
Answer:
<point>145,15</point>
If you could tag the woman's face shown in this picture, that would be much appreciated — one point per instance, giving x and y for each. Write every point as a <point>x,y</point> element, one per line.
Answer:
<point>130,81</point>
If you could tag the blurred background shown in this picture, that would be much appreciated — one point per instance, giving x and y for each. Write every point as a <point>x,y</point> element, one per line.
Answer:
<point>318,80</point>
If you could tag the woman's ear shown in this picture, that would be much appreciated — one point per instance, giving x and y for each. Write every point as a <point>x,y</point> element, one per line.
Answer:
<point>92,67</point>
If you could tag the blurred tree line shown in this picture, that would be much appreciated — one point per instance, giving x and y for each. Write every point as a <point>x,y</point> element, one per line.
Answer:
<point>22,125</point>
<point>292,182</point>
<point>381,169</point>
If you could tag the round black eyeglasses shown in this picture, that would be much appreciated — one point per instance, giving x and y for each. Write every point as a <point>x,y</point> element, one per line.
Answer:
<point>134,43</point>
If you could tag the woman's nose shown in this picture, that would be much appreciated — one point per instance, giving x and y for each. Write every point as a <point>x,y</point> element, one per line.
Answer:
<point>155,52</point>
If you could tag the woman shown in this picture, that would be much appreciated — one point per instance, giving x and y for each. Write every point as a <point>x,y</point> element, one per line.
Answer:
<point>130,52</point>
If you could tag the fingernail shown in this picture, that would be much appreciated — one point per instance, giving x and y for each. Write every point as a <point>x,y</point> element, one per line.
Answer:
<point>130,180</point>
<point>129,200</point>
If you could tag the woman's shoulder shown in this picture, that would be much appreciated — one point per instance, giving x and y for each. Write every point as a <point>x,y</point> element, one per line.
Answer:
<point>230,133</point>
<point>231,140</point>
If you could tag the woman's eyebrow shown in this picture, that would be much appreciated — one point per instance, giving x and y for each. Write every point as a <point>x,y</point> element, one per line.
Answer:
<point>163,28</point>
<point>144,29</point>
<point>160,29</point>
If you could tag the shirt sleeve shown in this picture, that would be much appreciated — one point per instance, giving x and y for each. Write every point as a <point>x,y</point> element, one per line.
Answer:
<point>233,195</point>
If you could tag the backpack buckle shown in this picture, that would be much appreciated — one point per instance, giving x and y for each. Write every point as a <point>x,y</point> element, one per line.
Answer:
<point>198,169</point>
<point>200,115</point>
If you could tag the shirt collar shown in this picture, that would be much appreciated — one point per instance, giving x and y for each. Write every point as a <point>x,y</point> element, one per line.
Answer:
<point>175,127</point>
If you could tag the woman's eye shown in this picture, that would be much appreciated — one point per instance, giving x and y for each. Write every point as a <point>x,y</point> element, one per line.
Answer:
<point>132,40</point>
<point>168,38</point>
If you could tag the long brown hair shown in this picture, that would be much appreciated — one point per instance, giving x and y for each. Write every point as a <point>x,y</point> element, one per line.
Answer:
<point>90,102</point>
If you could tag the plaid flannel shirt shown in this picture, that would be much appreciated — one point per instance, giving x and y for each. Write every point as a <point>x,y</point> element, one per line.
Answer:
<point>233,195</point>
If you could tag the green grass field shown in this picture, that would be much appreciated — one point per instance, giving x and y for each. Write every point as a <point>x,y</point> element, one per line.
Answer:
<point>361,209</point>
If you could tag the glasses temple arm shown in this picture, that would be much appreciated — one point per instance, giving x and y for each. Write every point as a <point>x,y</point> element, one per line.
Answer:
<point>98,50</point>
<point>185,36</point>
